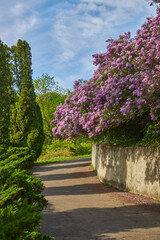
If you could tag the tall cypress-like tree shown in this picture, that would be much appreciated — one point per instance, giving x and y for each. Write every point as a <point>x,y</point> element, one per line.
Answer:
<point>26,120</point>
<point>5,75</point>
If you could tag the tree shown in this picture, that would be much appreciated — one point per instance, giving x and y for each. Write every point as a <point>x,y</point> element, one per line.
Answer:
<point>26,121</point>
<point>45,84</point>
<point>49,96</point>
<point>124,92</point>
<point>5,77</point>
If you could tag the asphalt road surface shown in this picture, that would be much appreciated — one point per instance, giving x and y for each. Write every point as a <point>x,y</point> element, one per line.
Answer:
<point>82,208</point>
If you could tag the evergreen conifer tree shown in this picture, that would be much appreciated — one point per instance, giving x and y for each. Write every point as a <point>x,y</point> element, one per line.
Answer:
<point>5,75</point>
<point>26,120</point>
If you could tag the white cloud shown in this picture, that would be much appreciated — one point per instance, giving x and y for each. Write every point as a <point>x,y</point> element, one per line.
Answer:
<point>23,25</point>
<point>64,34</point>
<point>88,22</point>
<point>135,5</point>
<point>18,9</point>
<point>68,81</point>
<point>17,19</point>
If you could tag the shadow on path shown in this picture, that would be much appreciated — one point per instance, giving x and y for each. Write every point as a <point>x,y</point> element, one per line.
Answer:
<point>61,165</point>
<point>82,189</point>
<point>67,176</point>
<point>102,223</point>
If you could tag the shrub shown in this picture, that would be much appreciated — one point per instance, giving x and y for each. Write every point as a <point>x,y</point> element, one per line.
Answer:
<point>20,198</point>
<point>61,147</point>
<point>124,88</point>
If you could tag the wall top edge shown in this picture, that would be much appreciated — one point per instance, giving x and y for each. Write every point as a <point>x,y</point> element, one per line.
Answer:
<point>130,147</point>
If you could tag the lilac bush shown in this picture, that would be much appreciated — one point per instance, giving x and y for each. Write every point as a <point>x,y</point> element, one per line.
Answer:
<point>125,85</point>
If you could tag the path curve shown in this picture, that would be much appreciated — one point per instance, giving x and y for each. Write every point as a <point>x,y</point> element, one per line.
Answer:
<point>81,208</point>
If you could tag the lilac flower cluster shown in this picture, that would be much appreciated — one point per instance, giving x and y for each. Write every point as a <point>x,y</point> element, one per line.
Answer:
<point>125,84</point>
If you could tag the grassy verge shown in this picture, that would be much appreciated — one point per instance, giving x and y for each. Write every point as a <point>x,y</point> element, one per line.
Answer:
<point>60,159</point>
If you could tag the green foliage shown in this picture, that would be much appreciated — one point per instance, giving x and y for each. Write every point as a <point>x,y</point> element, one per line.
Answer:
<point>21,156</point>
<point>26,119</point>
<point>58,144</point>
<point>91,167</point>
<point>81,148</point>
<point>34,141</point>
<point>45,84</point>
<point>126,134</point>
<point>75,147</point>
<point>64,149</point>
<point>49,96</point>
<point>152,135</point>
<point>20,198</point>
<point>48,104</point>
<point>3,150</point>
<point>21,140</point>
<point>20,223</point>
<point>5,75</point>
<point>130,133</point>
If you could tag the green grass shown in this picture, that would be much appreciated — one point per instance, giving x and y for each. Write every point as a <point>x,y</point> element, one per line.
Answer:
<point>91,166</point>
<point>60,159</point>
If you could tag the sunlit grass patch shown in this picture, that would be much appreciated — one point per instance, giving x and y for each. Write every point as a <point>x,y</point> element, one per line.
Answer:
<point>60,159</point>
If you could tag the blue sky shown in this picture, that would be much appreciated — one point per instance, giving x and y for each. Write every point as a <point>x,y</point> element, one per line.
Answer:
<point>64,35</point>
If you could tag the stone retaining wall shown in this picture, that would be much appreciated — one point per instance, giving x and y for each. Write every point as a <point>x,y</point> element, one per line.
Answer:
<point>136,169</point>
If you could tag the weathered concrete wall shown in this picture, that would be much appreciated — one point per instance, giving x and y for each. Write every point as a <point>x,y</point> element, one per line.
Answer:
<point>134,168</point>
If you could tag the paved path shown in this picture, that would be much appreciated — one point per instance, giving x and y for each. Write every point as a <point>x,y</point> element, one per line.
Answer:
<point>81,208</point>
